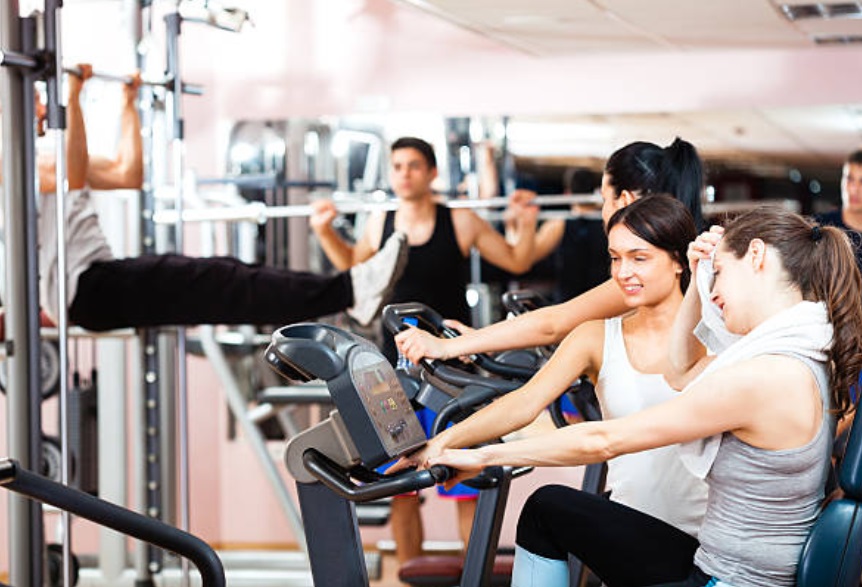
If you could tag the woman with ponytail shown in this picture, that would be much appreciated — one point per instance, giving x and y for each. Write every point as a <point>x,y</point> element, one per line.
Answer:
<point>756,420</point>
<point>638,170</point>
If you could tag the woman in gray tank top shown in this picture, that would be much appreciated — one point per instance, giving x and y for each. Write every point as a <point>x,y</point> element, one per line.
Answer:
<point>756,421</point>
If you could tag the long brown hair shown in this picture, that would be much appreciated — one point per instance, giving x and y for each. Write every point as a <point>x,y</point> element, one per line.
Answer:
<point>819,260</point>
<point>662,221</point>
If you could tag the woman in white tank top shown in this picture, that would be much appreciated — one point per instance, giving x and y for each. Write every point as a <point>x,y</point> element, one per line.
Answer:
<point>655,481</point>
<point>625,358</point>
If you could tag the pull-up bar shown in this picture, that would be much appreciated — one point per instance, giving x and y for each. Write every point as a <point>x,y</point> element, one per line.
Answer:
<point>16,59</point>
<point>193,89</point>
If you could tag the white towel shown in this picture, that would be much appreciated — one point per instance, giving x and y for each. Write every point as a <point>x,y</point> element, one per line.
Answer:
<point>710,330</point>
<point>803,330</point>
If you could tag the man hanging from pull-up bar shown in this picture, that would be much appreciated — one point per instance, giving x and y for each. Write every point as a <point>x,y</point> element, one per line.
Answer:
<point>156,290</point>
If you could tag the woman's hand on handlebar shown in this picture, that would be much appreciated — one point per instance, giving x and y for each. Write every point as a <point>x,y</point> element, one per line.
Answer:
<point>419,458</point>
<point>467,464</point>
<point>417,344</point>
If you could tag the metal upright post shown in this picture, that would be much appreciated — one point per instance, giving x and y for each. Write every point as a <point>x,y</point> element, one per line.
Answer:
<point>57,122</point>
<point>480,311</point>
<point>145,399</point>
<point>24,424</point>
<point>173,25</point>
<point>149,407</point>
<point>508,161</point>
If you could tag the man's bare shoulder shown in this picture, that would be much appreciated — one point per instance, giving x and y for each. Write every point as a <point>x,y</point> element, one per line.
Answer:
<point>467,220</point>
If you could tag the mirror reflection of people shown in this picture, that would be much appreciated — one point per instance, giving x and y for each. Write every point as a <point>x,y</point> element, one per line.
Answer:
<point>577,247</point>
<point>849,217</point>
<point>634,171</point>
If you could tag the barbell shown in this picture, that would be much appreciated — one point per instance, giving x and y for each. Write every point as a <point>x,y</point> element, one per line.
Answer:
<point>260,213</point>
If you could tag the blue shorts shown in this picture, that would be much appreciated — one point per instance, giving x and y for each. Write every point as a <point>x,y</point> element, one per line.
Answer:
<point>460,491</point>
<point>568,407</point>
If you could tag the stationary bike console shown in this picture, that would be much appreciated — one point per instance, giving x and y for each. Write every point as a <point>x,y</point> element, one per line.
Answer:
<point>373,422</point>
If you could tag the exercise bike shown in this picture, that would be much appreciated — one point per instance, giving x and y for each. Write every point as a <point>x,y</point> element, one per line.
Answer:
<point>333,462</point>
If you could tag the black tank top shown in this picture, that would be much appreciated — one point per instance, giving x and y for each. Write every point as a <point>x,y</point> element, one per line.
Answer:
<point>436,274</point>
<point>582,260</point>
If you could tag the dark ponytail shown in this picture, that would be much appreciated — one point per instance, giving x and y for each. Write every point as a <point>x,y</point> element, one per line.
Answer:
<point>820,262</point>
<point>682,175</point>
<point>645,168</point>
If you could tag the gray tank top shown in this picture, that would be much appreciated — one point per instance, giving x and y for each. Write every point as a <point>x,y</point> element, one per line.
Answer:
<point>754,538</point>
<point>85,244</point>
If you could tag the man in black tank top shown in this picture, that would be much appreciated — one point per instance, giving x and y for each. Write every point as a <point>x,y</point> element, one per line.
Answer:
<point>436,274</point>
<point>440,240</point>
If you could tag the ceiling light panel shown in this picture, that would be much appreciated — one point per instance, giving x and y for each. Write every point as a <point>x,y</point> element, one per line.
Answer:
<point>820,10</point>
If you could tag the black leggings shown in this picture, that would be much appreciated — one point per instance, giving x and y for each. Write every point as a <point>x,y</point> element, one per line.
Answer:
<point>624,547</point>
<point>163,290</point>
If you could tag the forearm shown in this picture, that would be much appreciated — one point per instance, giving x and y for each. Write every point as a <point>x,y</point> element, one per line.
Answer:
<point>574,445</point>
<point>548,238</point>
<point>528,330</point>
<point>77,158</point>
<point>523,253</point>
<point>130,153</point>
<point>540,327</point>
<point>339,252</point>
<point>685,349</point>
<point>503,416</point>
<point>523,245</point>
